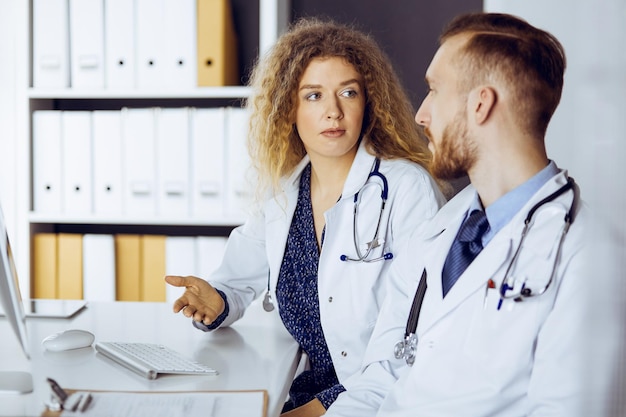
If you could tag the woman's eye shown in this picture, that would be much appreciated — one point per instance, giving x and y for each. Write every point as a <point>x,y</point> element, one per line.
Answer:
<point>349,93</point>
<point>313,96</point>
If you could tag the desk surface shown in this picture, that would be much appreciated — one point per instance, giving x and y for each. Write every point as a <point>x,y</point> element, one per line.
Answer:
<point>255,353</point>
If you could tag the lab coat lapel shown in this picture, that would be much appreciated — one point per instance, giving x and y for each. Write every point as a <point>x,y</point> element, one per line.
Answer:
<point>438,237</point>
<point>279,213</point>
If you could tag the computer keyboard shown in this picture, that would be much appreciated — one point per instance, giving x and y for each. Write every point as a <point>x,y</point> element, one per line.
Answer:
<point>150,360</point>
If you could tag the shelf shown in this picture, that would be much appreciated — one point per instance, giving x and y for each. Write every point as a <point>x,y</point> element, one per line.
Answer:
<point>127,220</point>
<point>227,92</point>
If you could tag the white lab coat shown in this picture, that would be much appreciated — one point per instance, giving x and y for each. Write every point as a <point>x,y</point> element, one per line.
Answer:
<point>529,358</point>
<point>350,293</point>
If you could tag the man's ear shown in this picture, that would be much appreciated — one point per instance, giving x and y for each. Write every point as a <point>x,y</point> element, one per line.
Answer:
<point>485,101</point>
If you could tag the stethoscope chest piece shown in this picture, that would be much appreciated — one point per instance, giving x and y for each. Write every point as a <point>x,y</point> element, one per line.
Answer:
<point>268,303</point>
<point>406,348</point>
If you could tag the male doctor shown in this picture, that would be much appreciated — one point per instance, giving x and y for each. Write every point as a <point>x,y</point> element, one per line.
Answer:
<point>504,327</point>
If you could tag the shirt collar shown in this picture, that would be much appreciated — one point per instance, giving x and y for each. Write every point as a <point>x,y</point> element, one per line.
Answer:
<point>504,208</point>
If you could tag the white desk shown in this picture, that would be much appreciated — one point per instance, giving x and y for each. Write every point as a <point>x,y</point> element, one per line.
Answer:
<point>255,353</point>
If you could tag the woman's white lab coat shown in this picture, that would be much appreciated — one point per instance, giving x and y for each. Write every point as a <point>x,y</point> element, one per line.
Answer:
<point>350,293</point>
<point>528,358</point>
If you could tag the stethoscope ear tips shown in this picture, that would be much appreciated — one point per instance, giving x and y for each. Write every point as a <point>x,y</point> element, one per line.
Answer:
<point>388,256</point>
<point>343,258</point>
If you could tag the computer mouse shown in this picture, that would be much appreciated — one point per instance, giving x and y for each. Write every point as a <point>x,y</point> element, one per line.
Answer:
<point>68,340</point>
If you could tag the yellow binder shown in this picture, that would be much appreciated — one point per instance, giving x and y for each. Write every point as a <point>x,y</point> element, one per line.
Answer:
<point>217,44</point>
<point>44,266</point>
<point>127,267</point>
<point>153,268</point>
<point>70,266</point>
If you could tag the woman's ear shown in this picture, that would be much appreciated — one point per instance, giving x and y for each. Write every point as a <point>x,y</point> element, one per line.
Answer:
<point>485,101</point>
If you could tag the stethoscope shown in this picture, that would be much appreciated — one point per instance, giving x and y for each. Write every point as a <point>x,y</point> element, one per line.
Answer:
<point>508,281</point>
<point>268,302</point>
<point>406,347</point>
<point>376,240</point>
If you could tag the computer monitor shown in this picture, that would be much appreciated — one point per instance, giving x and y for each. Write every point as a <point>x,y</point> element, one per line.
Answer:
<point>17,382</point>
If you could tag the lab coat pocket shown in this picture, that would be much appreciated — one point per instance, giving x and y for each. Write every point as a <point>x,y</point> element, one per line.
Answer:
<point>497,339</point>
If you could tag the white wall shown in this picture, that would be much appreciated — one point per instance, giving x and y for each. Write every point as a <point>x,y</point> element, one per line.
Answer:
<point>588,132</point>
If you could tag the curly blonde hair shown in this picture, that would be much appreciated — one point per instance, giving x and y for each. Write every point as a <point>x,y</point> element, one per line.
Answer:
<point>273,142</point>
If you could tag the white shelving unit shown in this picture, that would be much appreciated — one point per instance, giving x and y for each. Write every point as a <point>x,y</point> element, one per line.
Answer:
<point>273,18</point>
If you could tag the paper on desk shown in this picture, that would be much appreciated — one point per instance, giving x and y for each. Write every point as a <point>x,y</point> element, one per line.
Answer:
<point>169,404</point>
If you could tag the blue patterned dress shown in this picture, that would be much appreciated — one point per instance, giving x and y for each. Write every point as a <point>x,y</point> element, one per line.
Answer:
<point>297,297</point>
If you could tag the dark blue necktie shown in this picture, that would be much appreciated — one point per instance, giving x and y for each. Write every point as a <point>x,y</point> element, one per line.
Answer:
<point>466,246</point>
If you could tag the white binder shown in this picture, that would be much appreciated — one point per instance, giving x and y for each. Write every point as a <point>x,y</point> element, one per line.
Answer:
<point>87,44</point>
<point>180,259</point>
<point>207,163</point>
<point>98,267</point>
<point>173,162</point>
<point>47,172</point>
<point>209,254</point>
<point>179,44</point>
<point>239,191</point>
<point>119,41</point>
<point>51,58</point>
<point>139,161</point>
<point>76,157</point>
<point>107,162</point>
<point>150,38</point>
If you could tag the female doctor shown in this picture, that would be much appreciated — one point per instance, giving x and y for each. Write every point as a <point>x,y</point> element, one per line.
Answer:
<point>331,138</point>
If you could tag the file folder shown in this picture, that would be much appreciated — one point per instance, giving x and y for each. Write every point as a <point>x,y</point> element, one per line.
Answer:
<point>107,162</point>
<point>150,38</point>
<point>239,192</point>
<point>180,259</point>
<point>76,157</point>
<point>217,44</point>
<point>87,44</point>
<point>127,267</point>
<point>44,266</point>
<point>209,254</point>
<point>51,49</point>
<point>98,267</point>
<point>207,163</point>
<point>70,266</point>
<point>173,165</point>
<point>119,41</point>
<point>139,161</point>
<point>47,174</point>
<point>179,44</point>
<point>152,268</point>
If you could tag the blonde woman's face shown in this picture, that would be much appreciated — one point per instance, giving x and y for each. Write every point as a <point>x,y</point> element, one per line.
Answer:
<point>331,106</point>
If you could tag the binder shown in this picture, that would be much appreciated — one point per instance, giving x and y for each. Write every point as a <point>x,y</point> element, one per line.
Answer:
<point>98,267</point>
<point>180,259</point>
<point>150,38</point>
<point>179,44</point>
<point>173,165</point>
<point>47,174</point>
<point>238,192</point>
<point>87,44</point>
<point>207,163</point>
<point>44,266</point>
<point>70,266</point>
<point>139,161</point>
<point>153,268</point>
<point>209,254</point>
<point>76,158</point>
<point>51,54</point>
<point>127,267</point>
<point>119,41</point>
<point>217,44</point>
<point>107,162</point>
